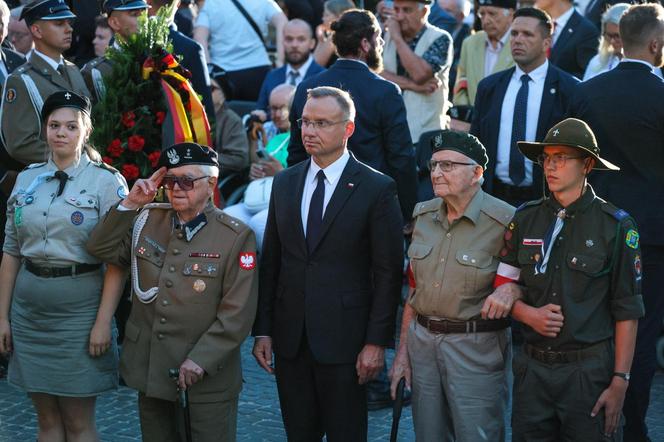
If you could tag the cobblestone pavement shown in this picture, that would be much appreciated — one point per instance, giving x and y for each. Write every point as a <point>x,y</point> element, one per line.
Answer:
<point>259,416</point>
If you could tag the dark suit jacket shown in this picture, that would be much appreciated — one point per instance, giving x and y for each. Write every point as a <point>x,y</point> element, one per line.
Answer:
<point>345,293</point>
<point>575,46</point>
<point>193,59</point>
<point>488,107</point>
<point>596,8</point>
<point>381,139</point>
<point>629,125</point>
<point>12,60</point>
<point>278,76</point>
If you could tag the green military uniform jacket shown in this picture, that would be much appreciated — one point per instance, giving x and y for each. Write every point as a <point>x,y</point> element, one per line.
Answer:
<point>94,73</point>
<point>470,70</point>
<point>593,272</point>
<point>25,91</point>
<point>454,265</point>
<point>195,294</point>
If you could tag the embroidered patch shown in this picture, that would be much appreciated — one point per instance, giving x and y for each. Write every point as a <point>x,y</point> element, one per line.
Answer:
<point>532,242</point>
<point>637,267</point>
<point>77,218</point>
<point>632,239</point>
<point>18,216</point>
<point>122,192</point>
<point>10,96</point>
<point>247,260</point>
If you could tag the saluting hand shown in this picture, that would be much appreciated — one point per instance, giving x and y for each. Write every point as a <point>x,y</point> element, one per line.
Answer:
<point>144,190</point>
<point>370,362</point>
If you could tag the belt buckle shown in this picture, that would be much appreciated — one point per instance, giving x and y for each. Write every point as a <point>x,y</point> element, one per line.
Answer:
<point>45,272</point>
<point>550,356</point>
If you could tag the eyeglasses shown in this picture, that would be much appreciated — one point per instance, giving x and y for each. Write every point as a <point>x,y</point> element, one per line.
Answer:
<point>556,160</point>
<point>317,124</point>
<point>611,36</point>
<point>185,182</point>
<point>447,166</point>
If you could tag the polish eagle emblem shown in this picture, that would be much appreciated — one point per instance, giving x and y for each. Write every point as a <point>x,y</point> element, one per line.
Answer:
<point>248,260</point>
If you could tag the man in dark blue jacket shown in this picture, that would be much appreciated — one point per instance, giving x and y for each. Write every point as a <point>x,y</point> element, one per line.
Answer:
<point>624,109</point>
<point>381,139</point>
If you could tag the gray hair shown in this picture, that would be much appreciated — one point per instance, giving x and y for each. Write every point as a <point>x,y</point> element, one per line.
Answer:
<point>208,170</point>
<point>4,9</point>
<point>342,98</point>
<point>613,16</point>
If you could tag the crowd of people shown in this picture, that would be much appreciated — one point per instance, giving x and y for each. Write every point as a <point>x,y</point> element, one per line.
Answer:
<point>504,158</point>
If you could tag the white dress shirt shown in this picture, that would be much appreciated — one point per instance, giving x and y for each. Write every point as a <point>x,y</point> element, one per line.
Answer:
<point>492,54</point>
<point>54,64</point>
<point>332,176</point>
<point>559,25</point>
<point>535,92</point>
<point>301,71</point>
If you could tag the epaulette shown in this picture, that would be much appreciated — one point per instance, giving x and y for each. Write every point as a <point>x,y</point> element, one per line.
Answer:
<point>427,206</point>
<point>34,165</point>
<point>21,69</point>
<point>234,223</point>
<point>500,211</point>
<point>530,204</point>
<point>618,214</point>
<point>106,167</point>
<point>165,206</point>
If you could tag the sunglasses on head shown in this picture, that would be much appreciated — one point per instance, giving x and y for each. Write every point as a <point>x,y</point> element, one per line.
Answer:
<point>185,182</point>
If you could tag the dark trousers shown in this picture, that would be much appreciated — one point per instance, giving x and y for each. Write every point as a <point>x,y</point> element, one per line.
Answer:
<point>552,402</point>
<point>247,82</point>
<point>319,399</point>
<point>645,358</point>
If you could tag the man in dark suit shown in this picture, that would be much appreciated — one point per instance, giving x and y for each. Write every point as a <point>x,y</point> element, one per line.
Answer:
<point>624,109</point>
<point>596,8</point>
<point>193,58</point>
<point>381,139</point>
<point>574,40</point>
<point>298,44</point>
<point>330,278</point>
<point>520,103</point>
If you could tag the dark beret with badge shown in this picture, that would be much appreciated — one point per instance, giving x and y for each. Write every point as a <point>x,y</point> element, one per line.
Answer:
<point>186,154</point>
<point>62,99</point>
<point>505,4</point>
<point>461,142</point>
<point>46,10</point>
<point>570,132</point>
<point>123,5</point>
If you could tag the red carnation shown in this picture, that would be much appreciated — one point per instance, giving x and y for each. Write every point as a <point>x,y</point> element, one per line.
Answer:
<point>159,117</point>
<point>135,143</point>
<point>154,158</point>
<point>115,148</point>
<point>130,171</point>
<point>107,160</point>
<point>128,119</point>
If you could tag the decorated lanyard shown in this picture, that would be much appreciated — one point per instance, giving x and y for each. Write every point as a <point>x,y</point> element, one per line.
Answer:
<point>37,182</point>
<point>547,245</point>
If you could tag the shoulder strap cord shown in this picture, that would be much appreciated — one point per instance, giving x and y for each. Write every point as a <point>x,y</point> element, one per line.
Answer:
<point>150,295</point>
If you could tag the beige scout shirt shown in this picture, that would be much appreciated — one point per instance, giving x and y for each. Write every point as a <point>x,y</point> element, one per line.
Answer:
<point>454,264</point>
<point>204,279</point>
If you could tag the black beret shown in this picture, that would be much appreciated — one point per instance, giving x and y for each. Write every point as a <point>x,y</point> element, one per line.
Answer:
<point>124,5</point>
<point>46,10</point>
<point>61,99</point>
<point>461,142</point>
<point>185,154</point>
<point>506,4</point>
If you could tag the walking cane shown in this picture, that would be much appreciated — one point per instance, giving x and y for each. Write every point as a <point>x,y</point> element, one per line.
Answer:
<point>396,409</point>
<point>183,399</point>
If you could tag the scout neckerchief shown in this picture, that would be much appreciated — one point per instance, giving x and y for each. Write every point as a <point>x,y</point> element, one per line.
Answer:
<point>549,239</point>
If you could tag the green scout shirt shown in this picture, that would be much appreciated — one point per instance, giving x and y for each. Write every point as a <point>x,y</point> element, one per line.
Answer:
<point>594,268</point>
<point>454,264</point>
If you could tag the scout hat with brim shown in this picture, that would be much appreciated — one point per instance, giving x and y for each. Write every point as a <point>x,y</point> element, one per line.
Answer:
<point>570,132</point>
<point>46,10</point>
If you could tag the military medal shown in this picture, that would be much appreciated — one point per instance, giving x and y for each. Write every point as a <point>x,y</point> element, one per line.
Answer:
<point>199,285</point>
<point>589,243</point>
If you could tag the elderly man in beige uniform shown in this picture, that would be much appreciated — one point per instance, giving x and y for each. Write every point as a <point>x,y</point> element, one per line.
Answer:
<point>455,360</point>
<point>194,280</point>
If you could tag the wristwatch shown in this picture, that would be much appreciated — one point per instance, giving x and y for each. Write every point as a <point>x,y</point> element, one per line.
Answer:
<point>624,376</point>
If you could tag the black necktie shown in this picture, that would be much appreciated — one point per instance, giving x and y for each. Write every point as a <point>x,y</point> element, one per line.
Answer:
<point>62,177</point>
<point>315,216</point>
<point>517,161</point>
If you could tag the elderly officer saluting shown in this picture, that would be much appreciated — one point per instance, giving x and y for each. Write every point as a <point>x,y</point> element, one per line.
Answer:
<point>123,21</point>
<point>457,359</point>
<point>193,274</point>
<point>577,259</point>
<point>45,72</point>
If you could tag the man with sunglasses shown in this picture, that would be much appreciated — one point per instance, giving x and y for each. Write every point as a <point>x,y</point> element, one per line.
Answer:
<point>194,280</point>
<point>454,360</point>
<point>577,263</point>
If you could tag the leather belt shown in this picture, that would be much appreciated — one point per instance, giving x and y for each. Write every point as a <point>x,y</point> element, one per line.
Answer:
<point>445,326</point>
<point>560,357</point>
<point>57,272</point>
